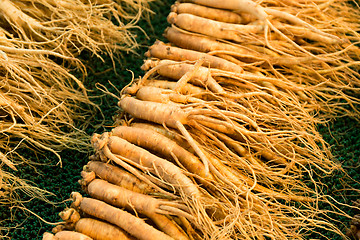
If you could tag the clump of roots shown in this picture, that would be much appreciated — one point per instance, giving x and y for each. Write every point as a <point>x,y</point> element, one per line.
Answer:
<point>14,192</point>
<point>69,27</point>
<point>255,165</point>
<point>39,103</point>
<point>317,49</point>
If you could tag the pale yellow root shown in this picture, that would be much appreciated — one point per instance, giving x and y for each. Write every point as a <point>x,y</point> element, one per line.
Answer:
<point>163,146</point>
<point>176,70</point>
<point>131,224</point>
<point>48,236</point>
<point>100,230</point>
<point>211,46</point>
<point>213,28</point>
<point>70,235</point>
<point>65,235</point>
<point>187,89</point>
<point>162,51</point>
<point>171,134</point>
<point>210,13</point>
<point>143,204</point>
<point>119,177</point>
<point>160,167</point>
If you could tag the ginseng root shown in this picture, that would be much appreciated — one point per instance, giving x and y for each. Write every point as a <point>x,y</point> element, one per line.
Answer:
<point>154,141</point>
<point>131,224</point>
<point>100,230</point>
<point>162,51</point>
<point>153,208</point>
<point>119,177</point>
<point>213,28</point>
<point>214,47</point>
<point>210,13</point>
<point>66,235</point>
<point>176,70</point>
<point>262,14</point>
<point>149,162</point>
<point>91,227</point>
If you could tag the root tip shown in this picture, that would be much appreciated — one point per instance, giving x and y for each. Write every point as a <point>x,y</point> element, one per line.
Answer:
<point>172,18</point>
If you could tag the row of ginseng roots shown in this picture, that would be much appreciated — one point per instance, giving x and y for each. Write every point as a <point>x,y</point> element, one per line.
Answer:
<point>220,131</point>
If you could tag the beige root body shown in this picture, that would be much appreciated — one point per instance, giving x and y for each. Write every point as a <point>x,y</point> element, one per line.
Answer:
<point>211,46</point>
<point>154,141</point>
<point>94,228</point>
<point>162,51</point>
<point>213,28</point>
<point>176,70</point>
<point>158,166</point>
<point>210,13</point>
<point>119,177</point>
<point>142,204</point>
<point>131,224</point>
<point>66,235</point>
<point>100,230</point>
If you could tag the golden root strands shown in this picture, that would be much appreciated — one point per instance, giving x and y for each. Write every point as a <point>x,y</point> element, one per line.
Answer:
<point>305,33</point>
<point>39,99</point>
<point>11,184</point>
<point>133,136</point>
<point>239,132</point>
<point>49,25</point>
<point>15,108</point>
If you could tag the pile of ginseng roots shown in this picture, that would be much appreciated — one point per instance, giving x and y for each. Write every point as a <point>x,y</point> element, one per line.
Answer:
<point>43,106</point>
<point>218,139</point>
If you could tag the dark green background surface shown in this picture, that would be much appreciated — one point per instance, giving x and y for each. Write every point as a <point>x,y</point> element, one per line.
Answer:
<point>343,134</point>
